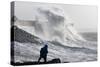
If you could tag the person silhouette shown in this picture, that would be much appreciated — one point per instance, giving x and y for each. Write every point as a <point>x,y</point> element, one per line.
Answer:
<point>43,53</point>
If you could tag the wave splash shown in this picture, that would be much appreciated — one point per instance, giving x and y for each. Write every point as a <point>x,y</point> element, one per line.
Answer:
<point>50,24</point>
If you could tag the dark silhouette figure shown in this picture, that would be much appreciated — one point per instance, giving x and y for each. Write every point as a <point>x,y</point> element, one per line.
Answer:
<point>43,53</point>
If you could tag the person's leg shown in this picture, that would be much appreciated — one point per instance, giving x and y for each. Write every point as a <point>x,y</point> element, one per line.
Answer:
<point>39,59</point>
<point>45,59</point>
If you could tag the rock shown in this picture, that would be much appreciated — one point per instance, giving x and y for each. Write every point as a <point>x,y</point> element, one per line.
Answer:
<point>57,60</point>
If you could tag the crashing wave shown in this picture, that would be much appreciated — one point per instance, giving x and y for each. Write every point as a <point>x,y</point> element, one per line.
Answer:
<point>50,24</point>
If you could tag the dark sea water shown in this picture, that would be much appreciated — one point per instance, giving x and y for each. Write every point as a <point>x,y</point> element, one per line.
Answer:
<point>90,36</point>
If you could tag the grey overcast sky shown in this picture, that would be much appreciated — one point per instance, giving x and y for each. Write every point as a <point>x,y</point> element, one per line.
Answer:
<point>85,18</point>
